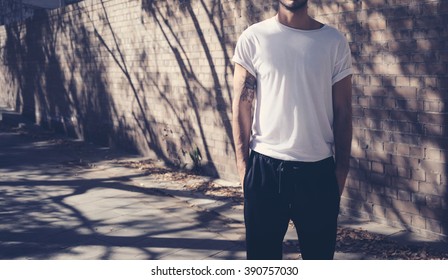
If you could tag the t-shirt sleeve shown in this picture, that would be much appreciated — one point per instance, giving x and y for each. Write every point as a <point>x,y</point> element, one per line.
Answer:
<point>343,65</point>
<point>244,54</point>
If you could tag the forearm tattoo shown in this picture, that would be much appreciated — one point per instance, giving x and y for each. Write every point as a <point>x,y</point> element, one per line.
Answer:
<point>249,89</point>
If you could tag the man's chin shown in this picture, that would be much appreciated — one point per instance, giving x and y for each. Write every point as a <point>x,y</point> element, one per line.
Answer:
<point>294,7</point>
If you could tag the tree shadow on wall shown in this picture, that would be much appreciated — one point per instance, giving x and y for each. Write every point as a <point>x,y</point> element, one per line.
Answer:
<point>109,42</point>
<point>398,171</point>
<point>61,61</point>
<point>204,63</point>
<point>199,96</point>
<point>15,63</point>
<point>74,102</point>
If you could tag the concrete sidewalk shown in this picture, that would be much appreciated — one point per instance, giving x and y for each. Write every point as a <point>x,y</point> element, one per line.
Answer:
<point>65,199</point>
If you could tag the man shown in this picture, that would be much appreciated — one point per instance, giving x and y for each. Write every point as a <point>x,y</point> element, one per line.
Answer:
<point>299,72</point>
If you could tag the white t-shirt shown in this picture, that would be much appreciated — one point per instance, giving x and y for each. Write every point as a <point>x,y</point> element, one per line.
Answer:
<point>295,71</point>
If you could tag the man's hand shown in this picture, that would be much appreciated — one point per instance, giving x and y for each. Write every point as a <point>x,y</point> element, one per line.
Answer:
<point>241,172</point>
<point>341,177</point>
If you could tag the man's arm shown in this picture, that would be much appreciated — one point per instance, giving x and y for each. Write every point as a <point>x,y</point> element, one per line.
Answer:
<point>244,86</point>
<point>342,127</point>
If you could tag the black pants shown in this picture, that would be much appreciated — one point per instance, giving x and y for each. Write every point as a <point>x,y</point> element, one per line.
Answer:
<point>276,192</point>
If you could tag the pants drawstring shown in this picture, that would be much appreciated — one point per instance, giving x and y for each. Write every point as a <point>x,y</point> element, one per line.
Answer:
<point>280,170</point>
<point>282,167</point>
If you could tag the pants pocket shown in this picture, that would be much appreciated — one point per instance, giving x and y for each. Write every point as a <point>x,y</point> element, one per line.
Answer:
<point>249,170</point>
<point>261,179</point>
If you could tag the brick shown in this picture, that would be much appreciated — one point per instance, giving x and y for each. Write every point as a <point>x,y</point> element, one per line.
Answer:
<point>432,118</point>
<point>417,152</point>
<point>404,58</point>
<point>394,68</point>
<point>374,124</point>
<point>405,184</point>
<point>359,133</point>
<point>431,189</point>
<point>357,89</point>
<point>410,139</point>
<point>433,225</point>
<point>431,106</point>
<point>434,201</point>
<point>431,82</point>
<point>402,81</point>
<point>403,149</point>
<point>363,101</point>
<point>358,111</point>
<point>418,57</point>
<point>433,166</point>
<point>408,92</point>
<point>403,172</point>
<point>365,187</point>
<point>350,204</point>
<point>391,193</point>
<point>364,165</point>
<point>354,194</point>
<point>352,183</point>
<point>418,199</point>
<point>378,199</point>
<point>422,22</point>
<point>442,82</point>
<point>376,146</point>
<point>394,46</point>
<point>429,69</point>
<point>427,45</point>
<point>407,105</point>
<point>405,206</point>
<point>418,222</point>
<point>378,211</point>
<point>377,135</point>
<point>376,101</point>
<point>397,217</point>
<point>357,174</point>
<point>430,213</point>
<point>390,147</point>
<point>418,175</point>
<point>377,167</point>
<point>398,24</point>
<point>433,178</point>
<point>377,24</point>
<point>374,91</point>
<point>374,155</point>
<point>391,169</point>
<point>359,82</point>
<point>354,163</point>
<point>378,189</point>
<point>362,144</point>
<point>404,195</point>
<point>379,179</point>
<point>444,179</point>
<point>373,4</point>
<point>444,226</point>
<point>390,103</point>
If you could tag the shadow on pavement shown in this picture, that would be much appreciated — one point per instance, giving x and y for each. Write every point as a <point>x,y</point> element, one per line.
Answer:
<point>62,199</point>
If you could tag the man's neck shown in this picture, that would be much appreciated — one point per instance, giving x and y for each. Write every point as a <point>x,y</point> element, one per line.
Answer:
<point>298,19</point>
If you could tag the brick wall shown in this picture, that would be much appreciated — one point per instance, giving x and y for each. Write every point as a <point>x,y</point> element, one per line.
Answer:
<point>155,77</point>
<point>399,171</point>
